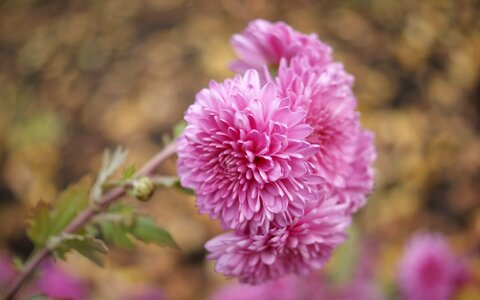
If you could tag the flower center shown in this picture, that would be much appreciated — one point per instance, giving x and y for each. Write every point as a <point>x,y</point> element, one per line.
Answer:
<point>229,164</point>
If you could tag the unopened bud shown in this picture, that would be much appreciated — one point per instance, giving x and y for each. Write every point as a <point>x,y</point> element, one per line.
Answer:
<point>143,188</point>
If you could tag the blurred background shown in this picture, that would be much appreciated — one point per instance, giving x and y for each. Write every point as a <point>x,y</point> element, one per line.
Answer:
<point>77,77</point>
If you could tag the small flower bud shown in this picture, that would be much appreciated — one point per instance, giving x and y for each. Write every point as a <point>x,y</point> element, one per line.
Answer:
<point>142,188</point>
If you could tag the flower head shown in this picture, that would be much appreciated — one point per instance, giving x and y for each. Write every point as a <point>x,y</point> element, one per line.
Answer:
<point>245,154</point>
<point>300,247</point>
<point>264,43</point>
<point>428,270</point>
<point>346,150</point>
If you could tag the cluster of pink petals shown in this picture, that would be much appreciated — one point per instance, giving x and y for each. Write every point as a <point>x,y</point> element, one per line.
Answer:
<point>346,149</point>
<point>282,161</point>
<point>429,270</point>
<point>245,154</point>
<point>264,43</point>
<point>298,247</point>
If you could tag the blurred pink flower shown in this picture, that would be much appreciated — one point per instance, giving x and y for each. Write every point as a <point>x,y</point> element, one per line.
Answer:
<point>300,247</point>
<point>7,272</point>
<point>300,288</point>
<point>245,154</point>
<point>57,283</point>
<point>281,289</point>
<point>346,150</point>
<point>429,270</point>
<point>264,44</point>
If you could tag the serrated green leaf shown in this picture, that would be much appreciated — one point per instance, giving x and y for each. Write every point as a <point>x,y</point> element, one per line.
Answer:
<point>129,172</point>
<point>49,221</point>
<point>88,246</point>
<point>69,203</point>
<point>120,224</point>
<point>39,228</point>
<point>114,222</point>
<point>116,234</point>
<point>146,230</point>
<point>179,128</point>
<point>110,163</point>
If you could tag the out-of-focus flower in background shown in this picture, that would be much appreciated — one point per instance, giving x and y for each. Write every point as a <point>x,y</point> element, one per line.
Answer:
<point>312,287</point>
<point>429,270</point>
<point>52,280</point>
<point>7,271</point>
<point>57,283</point>
<point>286,288</point>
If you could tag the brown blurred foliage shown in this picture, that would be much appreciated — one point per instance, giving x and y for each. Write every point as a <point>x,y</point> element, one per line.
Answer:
<point>79,76</point>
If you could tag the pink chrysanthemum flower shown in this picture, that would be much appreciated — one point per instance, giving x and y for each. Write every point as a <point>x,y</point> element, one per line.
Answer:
<point>346,150</point>
<point>429,270</point>
<point>304,245</point>
<point>245,154</point>
<point>264,43</point>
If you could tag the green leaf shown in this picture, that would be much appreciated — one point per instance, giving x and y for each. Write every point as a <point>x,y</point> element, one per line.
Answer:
<point>113,224</point>
<point>129,172</point>
<point>110,163</point>
<point>40,224</point>
<point>116,234</point>
<point>47,221</point>
<point>120,224</point>
<point>146,230</point>
<point>69,203</point>
<point>88,246</point>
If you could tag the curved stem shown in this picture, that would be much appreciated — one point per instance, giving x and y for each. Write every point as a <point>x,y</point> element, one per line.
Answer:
<point>85,216</point>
